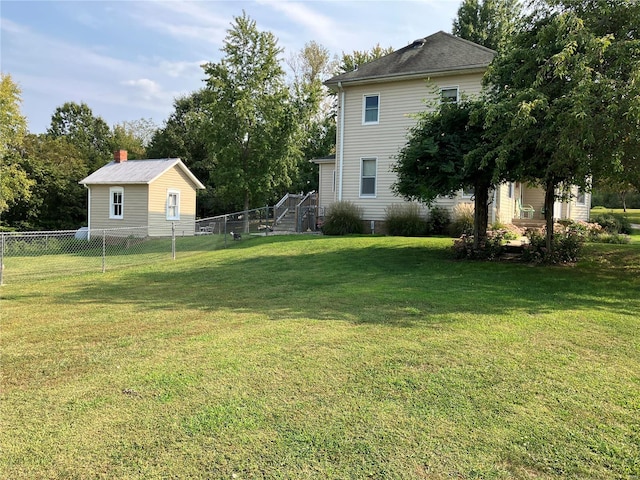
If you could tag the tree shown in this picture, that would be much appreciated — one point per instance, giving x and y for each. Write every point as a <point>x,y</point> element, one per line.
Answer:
<point>133,136</point>
<point>351,61</point>
<point>14,183</point>
<point>250,117</point>
<point>91,135</point>
<point>57,200</point>
<point>315,132</point>
<point>565,98</point>
<point>490,23</point>
<point>437,160</point>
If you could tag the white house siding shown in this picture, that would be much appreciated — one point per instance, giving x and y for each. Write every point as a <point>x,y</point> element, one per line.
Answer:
<point>173,179</point>
<point>505,206</point>
<point>326,188</point>
<point>399,100</point>
<point>576,211</point>
<point>134,207</point>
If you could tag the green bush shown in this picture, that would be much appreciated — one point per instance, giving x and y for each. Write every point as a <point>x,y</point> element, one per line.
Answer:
<point>343,218</point>
<point>567,245</point>
<point>491,249</point>
<point>462,220</point>
<point>438,221</point>
<point>405,221</point>
<point>613,223</point>
<point>616,238</point>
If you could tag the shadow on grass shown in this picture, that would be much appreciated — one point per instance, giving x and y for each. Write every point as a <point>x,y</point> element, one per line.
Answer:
<point>371,280</point>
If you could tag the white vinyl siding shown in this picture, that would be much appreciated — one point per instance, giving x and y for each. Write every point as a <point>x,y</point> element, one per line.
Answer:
<point>402,99</point>
<point>173,205</point>
<point>371,109</point>
<point>368,169</point>
<point>116,203</point>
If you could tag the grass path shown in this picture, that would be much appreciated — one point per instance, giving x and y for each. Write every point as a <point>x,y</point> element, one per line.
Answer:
<point>292,357</point>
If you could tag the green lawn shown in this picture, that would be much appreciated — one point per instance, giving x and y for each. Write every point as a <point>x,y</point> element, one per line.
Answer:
<point>317,357</point>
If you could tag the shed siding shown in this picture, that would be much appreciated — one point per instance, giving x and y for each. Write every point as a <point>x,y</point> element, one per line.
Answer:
<point>134,207</point>
<point>399,100</point>
<point>172,179</point>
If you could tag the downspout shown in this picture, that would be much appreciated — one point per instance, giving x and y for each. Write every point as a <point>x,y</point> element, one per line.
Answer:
<point>341,148</point>
<point>88,212</point>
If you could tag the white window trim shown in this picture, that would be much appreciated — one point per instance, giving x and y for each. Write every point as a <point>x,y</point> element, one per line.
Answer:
<point>375,182</point>
<point>177,194</point>
<point>112,215</point>
<point>364,108</point>
<point>451,87</point>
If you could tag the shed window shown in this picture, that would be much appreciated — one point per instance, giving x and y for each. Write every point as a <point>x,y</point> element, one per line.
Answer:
<point>116,203</point>
<point>173,205</point>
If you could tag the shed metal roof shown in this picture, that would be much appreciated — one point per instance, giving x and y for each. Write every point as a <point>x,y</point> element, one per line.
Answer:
<point>137,172</point>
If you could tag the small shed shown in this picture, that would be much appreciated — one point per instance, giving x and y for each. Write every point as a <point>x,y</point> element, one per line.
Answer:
<point>142,193</point>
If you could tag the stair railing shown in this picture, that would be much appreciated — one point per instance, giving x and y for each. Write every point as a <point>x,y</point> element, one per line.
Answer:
<point>285,204</point>
<point>306,212</point>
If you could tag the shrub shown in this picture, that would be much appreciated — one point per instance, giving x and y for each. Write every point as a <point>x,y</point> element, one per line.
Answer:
<point>567,245</point>
<point>404,220</point>
<point>492,247</point>
<point>438,221</point>
<point>608,222</point>
<point>462,220</point>
<point>343,218</point>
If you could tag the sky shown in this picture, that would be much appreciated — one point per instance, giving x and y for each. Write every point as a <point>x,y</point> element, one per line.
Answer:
<point>129,59</point>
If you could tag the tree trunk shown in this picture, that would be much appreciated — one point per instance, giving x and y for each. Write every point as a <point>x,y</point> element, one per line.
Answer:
<point>245,216</point>
<point>549,200</point>
<point>481,215</point>
<point>623,196</point>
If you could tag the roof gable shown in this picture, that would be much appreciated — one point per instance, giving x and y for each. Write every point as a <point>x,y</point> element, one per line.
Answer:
<point>137,172</point>
<point>437,53</point>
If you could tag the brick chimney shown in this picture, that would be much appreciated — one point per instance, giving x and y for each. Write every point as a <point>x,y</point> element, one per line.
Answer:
<point>120,156</point>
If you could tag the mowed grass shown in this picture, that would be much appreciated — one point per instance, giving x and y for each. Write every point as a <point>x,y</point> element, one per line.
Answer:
<point>317,357</point>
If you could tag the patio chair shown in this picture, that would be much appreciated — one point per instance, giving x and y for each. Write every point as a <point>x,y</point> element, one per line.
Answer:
<point>526,210</point>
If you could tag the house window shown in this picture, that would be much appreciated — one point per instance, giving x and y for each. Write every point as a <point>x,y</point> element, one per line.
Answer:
<point>116,203</point>
<point>371,109</point>
<point>468,192</point>
<point>510,189</point>
<point>449,95</point>
<point>173,205</point>
<point>581,198</point>
<point>368,177</point>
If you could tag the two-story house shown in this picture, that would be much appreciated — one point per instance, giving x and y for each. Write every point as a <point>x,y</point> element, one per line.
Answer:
<point>377,104</point>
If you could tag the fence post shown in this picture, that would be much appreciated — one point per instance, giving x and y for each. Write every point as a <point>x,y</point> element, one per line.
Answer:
<point>225,231</point>
<point>104,249</point>
<point>266,221</point>
<point>2,258</point>
<point>173,241</point>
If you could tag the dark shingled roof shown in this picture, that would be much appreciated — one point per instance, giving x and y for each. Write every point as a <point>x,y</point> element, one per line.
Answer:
<point>437,53</point>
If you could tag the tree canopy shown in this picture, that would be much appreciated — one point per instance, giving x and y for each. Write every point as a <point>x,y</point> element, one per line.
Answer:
<point>490,23</point>
<point>436,161</point>
<point>14,181</point>
<point>90,134</point>
<point>250,116</point>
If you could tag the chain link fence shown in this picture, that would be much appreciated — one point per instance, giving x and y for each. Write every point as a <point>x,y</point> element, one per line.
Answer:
<point>40,255</point>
